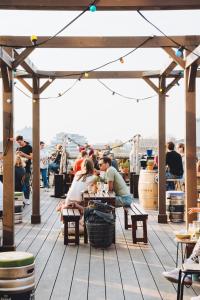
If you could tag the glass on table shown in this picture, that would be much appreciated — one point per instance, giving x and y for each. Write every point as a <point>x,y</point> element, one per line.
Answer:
<point>106,187</point>
<point>90,189</point>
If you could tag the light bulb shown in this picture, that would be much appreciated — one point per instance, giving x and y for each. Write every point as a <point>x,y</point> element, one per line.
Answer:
<point>113,93</point>
<point>8,100</point>
<point>179,52</point>
<point>137,100</point>
<point>121,60</point>
<point>50,79</point>
<point>160,90</point>
<point>34,39</point>
<point>34,101</point>
<point>93,8</point>
<point>86,74</point>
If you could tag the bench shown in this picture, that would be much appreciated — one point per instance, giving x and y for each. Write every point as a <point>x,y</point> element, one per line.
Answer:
<point>71,215</point>
<point>136,215</point>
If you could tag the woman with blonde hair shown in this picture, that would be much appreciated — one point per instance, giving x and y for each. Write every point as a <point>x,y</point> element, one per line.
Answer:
<point>19,173</point>
<point>80,183</point>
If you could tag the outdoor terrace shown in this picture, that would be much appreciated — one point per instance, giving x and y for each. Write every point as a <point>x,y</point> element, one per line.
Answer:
<point>124,271</point>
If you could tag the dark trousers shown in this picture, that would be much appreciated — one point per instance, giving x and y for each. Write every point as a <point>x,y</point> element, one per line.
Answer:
<point>26,186</point>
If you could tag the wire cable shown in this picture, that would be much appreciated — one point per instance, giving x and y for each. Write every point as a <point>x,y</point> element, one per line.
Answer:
<point>53,36</point>
<point>162,32</point>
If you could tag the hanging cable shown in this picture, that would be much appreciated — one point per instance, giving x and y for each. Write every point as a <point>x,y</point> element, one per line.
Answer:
<point>35,44</point>
<point>162,32</point>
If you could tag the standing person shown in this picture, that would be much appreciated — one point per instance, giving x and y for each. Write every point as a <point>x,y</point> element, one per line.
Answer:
<point>115,183</point>
<point>181,151</point>
<point>19,174</point>
<point>174,165</point>
<point>114,162</point>
<point>25,152</point>
<point>44,165</point>
<point>1,167</point>
<point>55,165</point>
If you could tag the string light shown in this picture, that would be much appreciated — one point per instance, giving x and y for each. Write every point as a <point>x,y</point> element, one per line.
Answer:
<point>34,40</point>
<point>50,79</point>
<point>86,74</point>
<point>113,93</point>
<point>34,101</point>
<point>179,51</point>
<point>160,90</point>
<point>8,100</point>
<point>93,8</point>
<point>121,60</point>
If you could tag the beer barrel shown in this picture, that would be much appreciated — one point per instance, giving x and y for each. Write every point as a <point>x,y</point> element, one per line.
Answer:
<point>175,206</point>
<point>17,276</point>
<point>148,189</point>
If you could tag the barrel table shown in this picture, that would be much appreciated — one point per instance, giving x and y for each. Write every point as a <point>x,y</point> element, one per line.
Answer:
<point>148,189</point>
<point>175,203</point>
<point>17,276</point>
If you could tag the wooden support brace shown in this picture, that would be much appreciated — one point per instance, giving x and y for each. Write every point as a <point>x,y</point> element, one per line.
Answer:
<point>194,56</point>
<point>5,57</point>
<point>22,56</point>
<point>151,84</point>
<point>45,85</point>
<point>172,83</point>
<point>175,58</point>
<point>25,83</point>
<point>192,77</point>
<point>5,77</point>
<point>26,64</point>
<point>167,70</point>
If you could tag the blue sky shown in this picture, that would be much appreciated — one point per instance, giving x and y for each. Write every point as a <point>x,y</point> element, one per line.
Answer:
<point>90,109</point>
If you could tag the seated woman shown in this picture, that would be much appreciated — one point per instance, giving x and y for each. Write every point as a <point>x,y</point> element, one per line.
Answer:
<point>80,183</point>
<point>173,275</point>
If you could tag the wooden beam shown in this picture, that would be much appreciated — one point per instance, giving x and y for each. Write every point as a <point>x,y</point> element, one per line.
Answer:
<point>194,56</point>
<point>5,77</point>
<point>101,4</point>
<point>25,83</point>
<point>177,59</point>
<point>171,84</point>
<point>36,217</point>
<point>192,77</point>
<point>26,64</point>
<point>162,217</point>
<point>45,86</point>
<point>102,41</point>
<point>151,84</point>
<point>167,69</point>
<point>190,149</point>
<point>22,56</point>
<point>5,57</point>
<point>8,169</point>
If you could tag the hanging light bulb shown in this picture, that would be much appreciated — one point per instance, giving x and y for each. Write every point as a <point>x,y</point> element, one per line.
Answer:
<point>181,73</point>
<point>86,74</point>
<point>113,93</point>
<point>34,39</point>
<point>160,90</point>
<point>137,100</point>
<point>121,60</point>
<point>59,94</point>
<point>8,100</point>
<point>179,52</point>
<point>93,8</point>
<point>34,101</point>
<point>50,79</point>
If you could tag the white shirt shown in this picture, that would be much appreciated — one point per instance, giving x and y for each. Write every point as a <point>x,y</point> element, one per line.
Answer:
<point>79,186</point>
<point>44,159</point>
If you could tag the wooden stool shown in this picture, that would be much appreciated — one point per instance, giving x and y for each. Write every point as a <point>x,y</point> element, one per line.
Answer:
<point>71,215</point>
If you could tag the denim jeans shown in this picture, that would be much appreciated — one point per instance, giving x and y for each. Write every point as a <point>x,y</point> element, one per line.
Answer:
<point>54,167</point>
<point>125,200</point>
<point>44,177</point>
<point>26,186</point>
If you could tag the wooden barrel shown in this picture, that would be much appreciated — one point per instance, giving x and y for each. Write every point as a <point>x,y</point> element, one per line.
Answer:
<point>17,278</point>
<point>148,189</point>
<point>175,204</point>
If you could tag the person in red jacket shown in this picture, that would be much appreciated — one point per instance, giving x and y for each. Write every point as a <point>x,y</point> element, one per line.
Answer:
<point>79,161</point>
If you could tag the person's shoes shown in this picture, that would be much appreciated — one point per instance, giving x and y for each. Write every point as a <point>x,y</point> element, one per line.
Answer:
<point>196,298</point>
<point>173,275</point>
<point>27,201</point>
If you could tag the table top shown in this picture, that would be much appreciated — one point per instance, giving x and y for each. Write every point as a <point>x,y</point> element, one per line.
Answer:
<point>99,195</point>
<point>185,241</point>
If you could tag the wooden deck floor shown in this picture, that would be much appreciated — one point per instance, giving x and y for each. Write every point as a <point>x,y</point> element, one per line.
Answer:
<point>125,271</point>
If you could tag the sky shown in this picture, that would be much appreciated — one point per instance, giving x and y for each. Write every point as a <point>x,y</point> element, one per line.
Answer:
<point>89,109</point>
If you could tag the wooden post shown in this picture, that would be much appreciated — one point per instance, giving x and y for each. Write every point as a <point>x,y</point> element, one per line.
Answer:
<point>190,143</point>
<point>8,161</point>
<point>162,217</point>
<point>36,218</point>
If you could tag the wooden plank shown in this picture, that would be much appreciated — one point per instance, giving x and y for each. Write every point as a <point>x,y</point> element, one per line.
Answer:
<point>192,77</point>
<point>190,149</point>
<point>97,289</point>
<point>62,285</point>
<point>36,218</point>
<point>193,57</point>
<point>162,217</point>
<point>46,85</point>
<point>167,69</point>
<point>8,162</point>
<point>26,64</point>
<point>79,288</point>
<point>175,58</point>
<point>102,41</point>
<point>151,84</point>
<point>6,58</point>
<point>101,4</point>
<point>171,84</point>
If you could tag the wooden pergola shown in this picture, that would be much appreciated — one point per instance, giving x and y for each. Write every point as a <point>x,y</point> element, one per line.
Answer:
<point>11,58</point>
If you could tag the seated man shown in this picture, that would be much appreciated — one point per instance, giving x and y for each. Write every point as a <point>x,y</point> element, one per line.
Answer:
<point>115,183</point>
<point>173,275</point>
